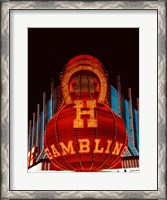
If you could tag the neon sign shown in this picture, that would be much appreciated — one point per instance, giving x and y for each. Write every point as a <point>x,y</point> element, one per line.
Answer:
<point>85,134</point>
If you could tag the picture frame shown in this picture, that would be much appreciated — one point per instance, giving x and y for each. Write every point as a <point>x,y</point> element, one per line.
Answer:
<point>6,106</point>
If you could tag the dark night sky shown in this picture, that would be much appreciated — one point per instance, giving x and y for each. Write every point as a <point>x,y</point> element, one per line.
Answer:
<point>50,49</point>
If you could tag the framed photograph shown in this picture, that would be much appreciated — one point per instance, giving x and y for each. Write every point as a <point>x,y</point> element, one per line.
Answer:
<point>83,100</point>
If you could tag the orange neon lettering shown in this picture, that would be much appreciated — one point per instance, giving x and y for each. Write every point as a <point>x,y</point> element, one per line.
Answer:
<point>117,148</point>
<point>49,155</point>
<point>68,149</point>
<point>84,146</point>
<point>97,150</point>
<point>123,151</point>
<point>109,142</point>
<point>55,151</point>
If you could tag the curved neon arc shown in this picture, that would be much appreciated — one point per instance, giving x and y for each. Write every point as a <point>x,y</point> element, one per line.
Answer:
<point>99,74</point>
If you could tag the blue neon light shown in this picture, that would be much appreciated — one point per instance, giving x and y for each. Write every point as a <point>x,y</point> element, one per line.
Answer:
<point>114,99</point>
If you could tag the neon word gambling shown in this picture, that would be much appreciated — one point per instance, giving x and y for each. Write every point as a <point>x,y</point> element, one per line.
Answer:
<point>84,147</point>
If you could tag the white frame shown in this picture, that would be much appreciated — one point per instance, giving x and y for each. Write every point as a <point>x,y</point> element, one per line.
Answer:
<point>6,7</point>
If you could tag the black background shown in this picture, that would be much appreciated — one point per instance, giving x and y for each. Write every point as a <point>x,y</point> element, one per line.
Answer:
<point>49,50</point>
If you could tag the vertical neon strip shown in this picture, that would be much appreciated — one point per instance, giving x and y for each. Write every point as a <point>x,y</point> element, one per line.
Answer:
<point>30,136</point>
<point>123,108</point>
<point>128,129</point>
<point>114,99</point>
<point>33,131</point>
<point>119,96</point>
<point>52,96</point>
<point>44,119</point>
<point>42,131</point>
<point>38,128</point>
<point>132,123</point>
<point>49,110</point>
<point>44,108</point>
<point>36,134</point>
<point>136,117</point>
